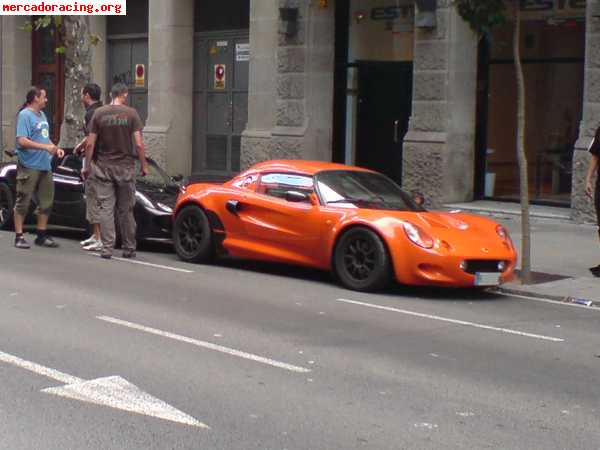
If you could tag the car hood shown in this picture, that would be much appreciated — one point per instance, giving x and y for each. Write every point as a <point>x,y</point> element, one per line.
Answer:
<point>464,233</point>
<point>166,195</point>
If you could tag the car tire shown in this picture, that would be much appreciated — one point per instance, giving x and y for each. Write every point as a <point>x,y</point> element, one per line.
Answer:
<point>7,204</point>
<point>192,236</point>
<point>361,261</point>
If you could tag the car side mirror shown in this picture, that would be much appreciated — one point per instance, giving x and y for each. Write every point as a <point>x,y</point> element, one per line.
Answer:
<point>296,197</point>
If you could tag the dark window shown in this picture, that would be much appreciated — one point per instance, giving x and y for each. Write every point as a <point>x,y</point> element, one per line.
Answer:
<point>221,15</point>
<point>135,22</point>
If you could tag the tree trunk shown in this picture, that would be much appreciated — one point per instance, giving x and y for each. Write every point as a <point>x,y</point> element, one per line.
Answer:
<point>78,70</point>
<point>521,154</point>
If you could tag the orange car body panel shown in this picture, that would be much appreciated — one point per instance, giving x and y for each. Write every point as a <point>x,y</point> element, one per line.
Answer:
<point>272,229</point>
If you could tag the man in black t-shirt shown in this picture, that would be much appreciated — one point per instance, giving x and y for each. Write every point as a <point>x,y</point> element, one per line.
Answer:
<point>90,97</point>
<point>593,191</point>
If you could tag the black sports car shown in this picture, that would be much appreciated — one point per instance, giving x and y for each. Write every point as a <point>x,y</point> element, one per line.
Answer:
<point>156,195</point>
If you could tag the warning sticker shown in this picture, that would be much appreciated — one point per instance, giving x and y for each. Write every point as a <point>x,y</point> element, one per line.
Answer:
<point>220,72</point>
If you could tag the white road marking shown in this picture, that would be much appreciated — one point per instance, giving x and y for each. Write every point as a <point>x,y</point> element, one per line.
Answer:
<point>454,321</point>
<point>204,344</point>
<point>39,369</point>
<point>147,264</point>
<point>114,392</point>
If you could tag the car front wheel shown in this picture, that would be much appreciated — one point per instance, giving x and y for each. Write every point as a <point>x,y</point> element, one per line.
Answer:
<point>361,261</point>
<point>6,207</point>
<point>192,236</point>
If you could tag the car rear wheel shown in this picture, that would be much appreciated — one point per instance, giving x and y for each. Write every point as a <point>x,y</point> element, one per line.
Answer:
<point>361,260</point>
<point>6,207</point>
<point>192,236</point>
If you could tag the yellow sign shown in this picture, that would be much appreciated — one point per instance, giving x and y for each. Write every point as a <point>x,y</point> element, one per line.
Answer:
<point>140,75</point>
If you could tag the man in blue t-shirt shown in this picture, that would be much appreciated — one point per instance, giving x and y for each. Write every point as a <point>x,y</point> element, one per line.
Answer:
<point>34,170</point>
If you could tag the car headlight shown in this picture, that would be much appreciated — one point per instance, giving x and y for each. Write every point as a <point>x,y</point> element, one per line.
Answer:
<point>417,235</point>
<point>164,207</point>
<point>144,200</point>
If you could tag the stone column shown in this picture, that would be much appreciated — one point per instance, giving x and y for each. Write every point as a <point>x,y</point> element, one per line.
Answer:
<point>97,26</point>
<point>168,131</point>
<point>291,83</point>
<point>582,208</point>
<point>438,152</point>
<point>16,74</point>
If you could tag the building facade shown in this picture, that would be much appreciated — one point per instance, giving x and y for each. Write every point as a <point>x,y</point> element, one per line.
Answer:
<point>407,89</point>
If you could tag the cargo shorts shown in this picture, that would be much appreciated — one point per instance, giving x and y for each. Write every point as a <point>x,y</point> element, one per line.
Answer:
<point>30,183</point>
<point>92,205</point>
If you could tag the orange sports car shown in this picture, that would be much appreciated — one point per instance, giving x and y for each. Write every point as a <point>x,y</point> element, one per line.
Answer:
<point>349,220</point>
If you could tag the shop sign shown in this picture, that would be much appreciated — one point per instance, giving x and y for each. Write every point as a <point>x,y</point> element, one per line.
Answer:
<point>544,9</point>
<point>220,71</point>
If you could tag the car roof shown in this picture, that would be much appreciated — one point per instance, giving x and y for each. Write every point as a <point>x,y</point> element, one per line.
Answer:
<point>302,166</point>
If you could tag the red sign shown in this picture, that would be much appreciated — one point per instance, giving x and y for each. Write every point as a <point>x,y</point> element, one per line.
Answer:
<point>140,75</point>
<point>220,71</point>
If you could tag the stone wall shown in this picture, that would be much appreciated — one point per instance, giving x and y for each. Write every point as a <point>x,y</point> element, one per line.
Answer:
<point>582,209</point>
<point>292,117</point>
<point>438,151</point>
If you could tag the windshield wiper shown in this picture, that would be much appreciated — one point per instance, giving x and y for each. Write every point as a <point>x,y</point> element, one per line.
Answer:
<point>350,200</point>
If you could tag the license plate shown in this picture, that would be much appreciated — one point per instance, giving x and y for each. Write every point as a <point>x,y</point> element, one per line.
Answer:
<point>487,279</point>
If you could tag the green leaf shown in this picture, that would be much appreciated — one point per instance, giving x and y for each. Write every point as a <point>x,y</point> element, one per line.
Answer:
<point>60,50</point>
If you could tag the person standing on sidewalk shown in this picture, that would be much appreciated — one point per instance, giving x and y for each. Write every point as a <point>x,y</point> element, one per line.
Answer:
<point>34,167</point>
<point>113,131</point>
<point>594,191</point>
<point>90,97</point>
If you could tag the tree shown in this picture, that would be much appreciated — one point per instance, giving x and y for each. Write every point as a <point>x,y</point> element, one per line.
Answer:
<point>76,44</point>
<point>483,16</point>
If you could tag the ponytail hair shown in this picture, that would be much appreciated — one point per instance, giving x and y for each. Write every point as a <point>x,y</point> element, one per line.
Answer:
<point>32,93</point>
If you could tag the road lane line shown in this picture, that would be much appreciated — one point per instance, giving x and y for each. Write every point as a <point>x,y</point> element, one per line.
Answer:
<point>39,369</point>
<point>147,264</point>
<point>204,344</point>
<point>454,321</point>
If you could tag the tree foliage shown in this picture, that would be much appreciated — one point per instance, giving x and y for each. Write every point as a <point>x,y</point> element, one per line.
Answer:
<point>482,16</point>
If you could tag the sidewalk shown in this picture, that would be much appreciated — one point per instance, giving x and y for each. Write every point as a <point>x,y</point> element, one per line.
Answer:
<point>561,251</point>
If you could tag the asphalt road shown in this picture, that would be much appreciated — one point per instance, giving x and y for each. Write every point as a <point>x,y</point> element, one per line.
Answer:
<point>253,356</point>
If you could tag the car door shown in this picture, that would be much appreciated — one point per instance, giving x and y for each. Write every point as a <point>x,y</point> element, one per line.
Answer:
<point>69,199</point>
<point>280,228</point>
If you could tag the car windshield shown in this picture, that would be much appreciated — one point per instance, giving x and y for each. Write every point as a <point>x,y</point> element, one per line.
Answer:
<point>156,177</point>
<point>353,188</point>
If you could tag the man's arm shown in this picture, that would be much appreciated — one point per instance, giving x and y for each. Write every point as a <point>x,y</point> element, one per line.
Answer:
<point>80,148</point>
<point>592,169</point>
<point>28,144</point>
<point>90,143</point>
<point>141,152</point>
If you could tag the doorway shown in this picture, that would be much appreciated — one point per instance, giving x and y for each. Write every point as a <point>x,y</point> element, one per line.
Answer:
<point>383,111</point>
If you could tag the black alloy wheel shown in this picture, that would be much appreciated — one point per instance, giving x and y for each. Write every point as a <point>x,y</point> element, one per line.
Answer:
<point>361,260</point>
<point>192,236</point>
<point>6,207</point>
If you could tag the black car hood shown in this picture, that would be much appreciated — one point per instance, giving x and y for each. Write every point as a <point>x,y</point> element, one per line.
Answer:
<point>166,194</point>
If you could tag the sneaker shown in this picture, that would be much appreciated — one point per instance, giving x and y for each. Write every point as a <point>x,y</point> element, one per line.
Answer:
<point>46,241</point>
<point>105,255</point>
<point>91,240</point>
<point>129,254</point>
<point>95,246</point>
<point>20,242</point>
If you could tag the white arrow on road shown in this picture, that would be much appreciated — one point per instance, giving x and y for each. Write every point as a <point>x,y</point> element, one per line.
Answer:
<point>114,392</point>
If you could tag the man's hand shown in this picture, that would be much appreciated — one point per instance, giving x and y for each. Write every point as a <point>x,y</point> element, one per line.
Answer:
<point>52,149</point>
<point>589,189</point>
<point>60,153</point>
<point>85,173</point>
<point>144,169</point>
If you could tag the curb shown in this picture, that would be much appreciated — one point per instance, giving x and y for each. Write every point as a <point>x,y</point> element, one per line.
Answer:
<point>555,298</point>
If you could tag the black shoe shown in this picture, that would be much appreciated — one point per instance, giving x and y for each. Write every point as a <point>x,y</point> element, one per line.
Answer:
<point>106,255</point>
<point>20,242</point>
<point>595,271</point>
<point>45,241</point>
<point>129,254</point>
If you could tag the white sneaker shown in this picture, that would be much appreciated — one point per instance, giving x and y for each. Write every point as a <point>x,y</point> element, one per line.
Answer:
<point>91,240</point>
<point>95,246</point>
